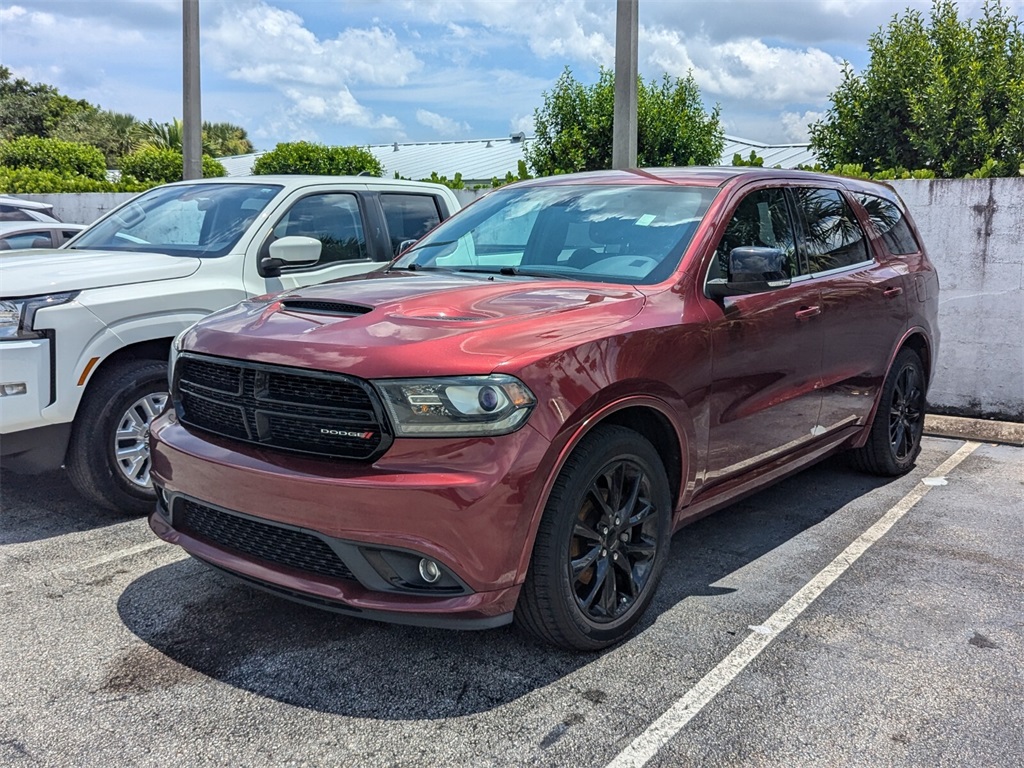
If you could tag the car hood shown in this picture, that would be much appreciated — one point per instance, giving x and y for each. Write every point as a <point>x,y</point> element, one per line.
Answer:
<point>51,270</point>
<point>408,324</point>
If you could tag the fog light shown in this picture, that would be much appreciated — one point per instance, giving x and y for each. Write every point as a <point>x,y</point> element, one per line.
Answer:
<point>429,571</point>
<point>15,388</point>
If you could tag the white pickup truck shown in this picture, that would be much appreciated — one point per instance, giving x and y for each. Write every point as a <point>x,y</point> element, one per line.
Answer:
<point>85,330</point>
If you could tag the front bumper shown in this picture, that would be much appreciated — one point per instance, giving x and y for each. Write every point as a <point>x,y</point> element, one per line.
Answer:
<point>470,505</point>
<point>24,362</point>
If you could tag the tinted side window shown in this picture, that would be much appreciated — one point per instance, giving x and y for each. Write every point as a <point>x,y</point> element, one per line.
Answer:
<point>891,224</point>
<point>331,218</point>
<point>39,239</point>
<point>409,217</point>
<point>832,236</point>
<point>10,213</point>
<point>762,220</point>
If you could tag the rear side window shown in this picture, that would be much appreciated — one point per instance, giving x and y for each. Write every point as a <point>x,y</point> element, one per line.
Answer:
<point>891,224</point>
<point>10,213</point>
<point>832,237</point>
<point>409,217</point>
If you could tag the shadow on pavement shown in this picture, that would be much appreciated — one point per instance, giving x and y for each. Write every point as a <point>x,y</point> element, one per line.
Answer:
<point>37,507</point>
<point>211,625</point>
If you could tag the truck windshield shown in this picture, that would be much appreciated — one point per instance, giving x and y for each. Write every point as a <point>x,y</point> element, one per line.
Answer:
<point>186,220</point>
<point>609,233</point>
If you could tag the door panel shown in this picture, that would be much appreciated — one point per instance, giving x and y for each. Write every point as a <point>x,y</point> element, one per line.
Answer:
<point>766,348</point>
<point>864,313</point>
<point>765,400</point>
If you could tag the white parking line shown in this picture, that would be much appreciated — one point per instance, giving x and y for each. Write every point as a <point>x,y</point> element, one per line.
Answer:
<point>646,745</point>
<point>120,554</point>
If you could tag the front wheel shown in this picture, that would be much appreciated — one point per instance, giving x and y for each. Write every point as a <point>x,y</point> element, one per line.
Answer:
<point>895,438</point>
<point>601,544</point>
<point>108,457</point>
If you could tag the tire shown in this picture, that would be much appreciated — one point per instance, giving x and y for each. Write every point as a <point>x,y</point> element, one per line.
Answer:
<point>115,415</point>
<point>895,438</point>
<point>593,570</point>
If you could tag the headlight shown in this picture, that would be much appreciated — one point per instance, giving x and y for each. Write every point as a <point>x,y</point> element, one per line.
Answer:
<point>457,406</point>
<point>18,315</point>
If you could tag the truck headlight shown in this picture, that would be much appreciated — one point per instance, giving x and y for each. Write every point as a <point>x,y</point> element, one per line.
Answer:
<point>17,316</point>
<point>456,406</point>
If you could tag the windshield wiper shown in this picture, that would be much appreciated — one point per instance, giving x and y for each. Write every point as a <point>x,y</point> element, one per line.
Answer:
<point>512,272</point>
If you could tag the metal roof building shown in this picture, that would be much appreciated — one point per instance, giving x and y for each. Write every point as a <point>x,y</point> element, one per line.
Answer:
<point>480,160</point>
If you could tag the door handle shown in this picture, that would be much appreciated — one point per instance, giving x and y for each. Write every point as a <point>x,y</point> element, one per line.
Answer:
<point>892,293</point>
<point>808,312</point>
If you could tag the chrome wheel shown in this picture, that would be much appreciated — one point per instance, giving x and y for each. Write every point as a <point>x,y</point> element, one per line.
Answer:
<point>906,413</point>
<point>614,542</point>
<point>131,440</point>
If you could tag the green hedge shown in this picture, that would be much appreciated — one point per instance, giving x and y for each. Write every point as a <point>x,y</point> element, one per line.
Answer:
<point>24,181</point>
<point>64,158</point>
<point>318,159</point>
<point>160,166</point>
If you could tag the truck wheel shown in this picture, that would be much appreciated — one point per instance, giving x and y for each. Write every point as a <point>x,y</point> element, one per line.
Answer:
<point>895,438</point>
<point>601,545</point>
<point>108,457</point>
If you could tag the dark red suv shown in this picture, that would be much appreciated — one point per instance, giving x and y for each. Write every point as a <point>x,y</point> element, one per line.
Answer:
<point>511,420</point>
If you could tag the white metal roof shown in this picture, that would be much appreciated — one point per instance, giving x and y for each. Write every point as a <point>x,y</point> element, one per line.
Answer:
<point>480,160</point>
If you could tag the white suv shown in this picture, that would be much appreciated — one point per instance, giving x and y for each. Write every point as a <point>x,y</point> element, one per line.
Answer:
<point>85,330</point>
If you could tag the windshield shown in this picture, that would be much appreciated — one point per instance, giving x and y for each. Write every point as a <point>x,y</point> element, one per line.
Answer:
<point>184,220</point>
<point>620,234</point>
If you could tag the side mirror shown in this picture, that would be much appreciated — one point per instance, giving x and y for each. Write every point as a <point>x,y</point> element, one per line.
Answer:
<point>291,251</point>
<point>404,245</point>
<point>752,269</point>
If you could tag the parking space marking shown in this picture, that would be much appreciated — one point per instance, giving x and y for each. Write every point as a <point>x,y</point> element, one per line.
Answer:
<point>661,731</point>
<point>120,555</point>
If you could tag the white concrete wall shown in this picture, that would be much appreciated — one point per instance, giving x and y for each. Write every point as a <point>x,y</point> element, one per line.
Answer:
<point>973,230</point>
<point>82,207</point>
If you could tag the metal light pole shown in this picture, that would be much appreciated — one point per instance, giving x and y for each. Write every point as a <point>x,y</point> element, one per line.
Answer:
<point>624,126</point>
<point>192,122</point>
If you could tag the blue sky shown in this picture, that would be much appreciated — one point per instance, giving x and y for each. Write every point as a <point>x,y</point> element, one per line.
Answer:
<point>377,71</point>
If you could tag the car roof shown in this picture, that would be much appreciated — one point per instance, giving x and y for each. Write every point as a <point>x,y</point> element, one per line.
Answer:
<point>301,180</point>
<point>707,176</point>
<point>28,205</point>
<point>7,227</point>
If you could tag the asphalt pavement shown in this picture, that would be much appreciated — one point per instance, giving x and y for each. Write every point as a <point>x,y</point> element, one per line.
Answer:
<point>833,619</point>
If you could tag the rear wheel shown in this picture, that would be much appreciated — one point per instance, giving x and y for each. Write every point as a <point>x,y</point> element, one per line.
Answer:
<point>108,457</point>
<point>601,545</point>
<point>895,438</point>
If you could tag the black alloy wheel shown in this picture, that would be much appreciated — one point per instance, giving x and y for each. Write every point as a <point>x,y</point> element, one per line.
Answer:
<point>614,541</point>
<point>895,437</point>
<point>906,413</point>
<point>601,545</point>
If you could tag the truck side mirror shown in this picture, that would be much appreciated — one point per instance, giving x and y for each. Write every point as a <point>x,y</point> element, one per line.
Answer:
<point>291,251</point>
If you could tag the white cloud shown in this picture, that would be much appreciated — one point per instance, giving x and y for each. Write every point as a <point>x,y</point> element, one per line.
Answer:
<point>796,124</point>
<point>745,68</point>
<point>444,126</point>
<point>290,53</point>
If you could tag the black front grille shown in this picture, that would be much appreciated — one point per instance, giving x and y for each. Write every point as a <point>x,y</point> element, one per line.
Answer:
<point>285,408</point>
<point>275,544</point>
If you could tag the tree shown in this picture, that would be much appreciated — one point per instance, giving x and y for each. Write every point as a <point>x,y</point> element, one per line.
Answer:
<point>318,159</point>
<point>944,95</point>
<point>161,165</point>
<point>574,127</point>
<point>223,139</point>
<point>32,109</point>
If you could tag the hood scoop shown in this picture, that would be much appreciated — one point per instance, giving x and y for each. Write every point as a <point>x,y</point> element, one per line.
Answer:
<point>332,308</point>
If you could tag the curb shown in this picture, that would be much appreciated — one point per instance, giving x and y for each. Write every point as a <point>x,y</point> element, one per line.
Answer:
<point>982,430</point>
